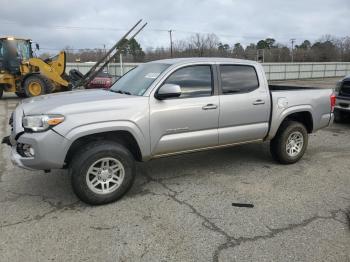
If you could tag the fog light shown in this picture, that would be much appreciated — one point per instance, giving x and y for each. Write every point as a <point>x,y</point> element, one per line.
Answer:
<point>31,151</point>
<point>25,150</point>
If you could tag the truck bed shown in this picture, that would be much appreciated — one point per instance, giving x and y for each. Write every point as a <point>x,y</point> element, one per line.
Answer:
<point>288,99</point>
<point>291,88</point>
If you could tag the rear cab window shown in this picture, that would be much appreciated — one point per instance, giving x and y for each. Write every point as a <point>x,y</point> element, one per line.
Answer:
<point>238,79</point>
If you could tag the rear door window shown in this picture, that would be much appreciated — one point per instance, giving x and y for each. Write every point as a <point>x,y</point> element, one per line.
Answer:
<point>238,79</point>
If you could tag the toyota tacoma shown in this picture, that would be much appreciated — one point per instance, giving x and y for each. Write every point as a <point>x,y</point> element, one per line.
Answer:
<point>158,109</point>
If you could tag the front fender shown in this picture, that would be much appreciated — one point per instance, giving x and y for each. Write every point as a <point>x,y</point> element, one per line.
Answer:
<point>95,128</point>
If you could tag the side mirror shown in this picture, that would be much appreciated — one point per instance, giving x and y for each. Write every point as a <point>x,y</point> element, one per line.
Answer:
<point>37,46</point>
<point>168,91</point>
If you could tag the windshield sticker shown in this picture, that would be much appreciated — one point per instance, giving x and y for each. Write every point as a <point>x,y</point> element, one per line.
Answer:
<point>152,75</point>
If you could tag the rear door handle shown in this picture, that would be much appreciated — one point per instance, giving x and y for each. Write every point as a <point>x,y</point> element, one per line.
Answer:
<point>209,107</point>
<point>258,102</point>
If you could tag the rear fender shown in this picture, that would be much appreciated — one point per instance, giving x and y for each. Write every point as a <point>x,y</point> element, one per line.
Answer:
<point>281,114</point>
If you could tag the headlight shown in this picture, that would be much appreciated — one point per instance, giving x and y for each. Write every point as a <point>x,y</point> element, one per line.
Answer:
<point>38,123</point>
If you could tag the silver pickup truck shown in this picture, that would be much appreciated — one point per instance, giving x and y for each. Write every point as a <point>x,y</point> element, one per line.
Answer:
<point>159,109</point>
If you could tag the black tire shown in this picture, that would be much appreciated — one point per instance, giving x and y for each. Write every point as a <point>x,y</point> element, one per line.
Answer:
<point>86,157</point>
<point>20,94</point>
<point>1,92</point>
<point>49,87</point>
<point>279,143</point>
<point>338,116</point>
<point>40,80</point>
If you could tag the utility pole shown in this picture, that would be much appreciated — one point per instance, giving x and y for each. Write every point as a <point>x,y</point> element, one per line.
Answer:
<point>292,41</point>
<point>260,55</point>
<point>171,43</point>
<point>121,64</point>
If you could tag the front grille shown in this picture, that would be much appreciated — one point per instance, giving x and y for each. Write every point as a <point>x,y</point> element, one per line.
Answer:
<point>345,89</point>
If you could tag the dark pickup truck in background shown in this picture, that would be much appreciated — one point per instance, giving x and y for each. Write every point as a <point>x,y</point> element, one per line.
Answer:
<point>342,107</point>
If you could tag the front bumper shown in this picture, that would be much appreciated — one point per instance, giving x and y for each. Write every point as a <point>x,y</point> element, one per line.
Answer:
<point>16,159</point>
<point>343,109</point>
<point>50,150</point>
<point>342,104</point>
<point>50,147</point>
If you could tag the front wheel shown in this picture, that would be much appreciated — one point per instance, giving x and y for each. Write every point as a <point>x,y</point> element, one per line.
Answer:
<point>36,85</point>
<point>290,142</point>
<point>102,172</point>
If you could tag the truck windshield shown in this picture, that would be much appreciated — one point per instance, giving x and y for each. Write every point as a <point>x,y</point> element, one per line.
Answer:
<point>139,79</point>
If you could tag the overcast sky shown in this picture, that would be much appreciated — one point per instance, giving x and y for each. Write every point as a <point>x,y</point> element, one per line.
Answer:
<point>90,24</point>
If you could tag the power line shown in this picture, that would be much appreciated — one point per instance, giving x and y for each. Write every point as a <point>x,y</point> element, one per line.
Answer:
<point>283,40</point>
<point>61,27</point>
<point>71,49</point>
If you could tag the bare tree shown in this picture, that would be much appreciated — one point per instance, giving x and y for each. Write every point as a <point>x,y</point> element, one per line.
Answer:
<point>327,48</point>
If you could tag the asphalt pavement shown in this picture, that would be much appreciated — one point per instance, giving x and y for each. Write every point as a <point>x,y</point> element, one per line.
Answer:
<point>180,208</point>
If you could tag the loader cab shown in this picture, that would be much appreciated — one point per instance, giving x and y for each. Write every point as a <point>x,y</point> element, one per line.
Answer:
<point>13,52</point>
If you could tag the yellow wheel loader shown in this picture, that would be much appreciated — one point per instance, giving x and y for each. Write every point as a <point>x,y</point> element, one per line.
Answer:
<point>27,76</point>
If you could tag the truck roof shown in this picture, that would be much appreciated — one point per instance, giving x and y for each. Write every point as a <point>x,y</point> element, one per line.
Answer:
<point>204,59</point>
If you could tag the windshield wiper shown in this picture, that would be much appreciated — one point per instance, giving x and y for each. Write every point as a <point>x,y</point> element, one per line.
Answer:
<point>121,92</point>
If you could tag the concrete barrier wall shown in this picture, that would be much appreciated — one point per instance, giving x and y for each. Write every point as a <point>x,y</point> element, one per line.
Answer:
<point>113,68</point>
<point>282,71</point>
<point>274,71</point>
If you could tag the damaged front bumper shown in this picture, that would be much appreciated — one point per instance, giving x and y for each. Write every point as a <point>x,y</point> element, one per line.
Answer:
<point>48,150</point>
<point>35,151</point>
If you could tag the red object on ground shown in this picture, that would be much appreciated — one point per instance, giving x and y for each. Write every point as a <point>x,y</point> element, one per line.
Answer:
<point>102,80</point>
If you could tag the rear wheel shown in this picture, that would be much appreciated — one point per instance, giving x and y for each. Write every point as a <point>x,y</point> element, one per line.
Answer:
<point>290,142</point>
<point>37,85</point>
<point>102,172</point>
<point>1,91</point>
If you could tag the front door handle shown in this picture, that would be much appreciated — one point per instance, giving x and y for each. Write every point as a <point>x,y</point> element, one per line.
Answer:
<point>259,102</point>
<point>209,107</point>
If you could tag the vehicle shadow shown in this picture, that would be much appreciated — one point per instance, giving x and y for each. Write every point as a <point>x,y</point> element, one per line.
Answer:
<point>219,161</point>
<point>344,121</point>
<point>57,184</point>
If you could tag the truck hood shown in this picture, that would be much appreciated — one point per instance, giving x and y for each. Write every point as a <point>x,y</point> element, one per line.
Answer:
<point>76,102</point>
